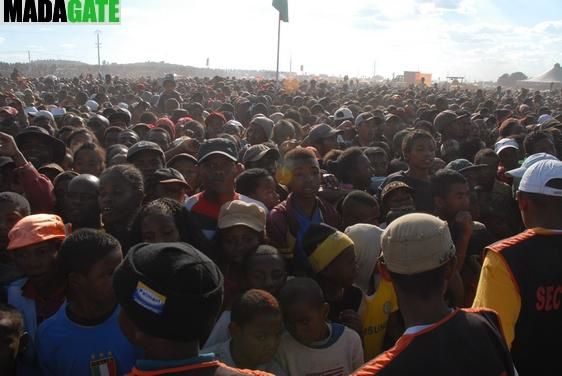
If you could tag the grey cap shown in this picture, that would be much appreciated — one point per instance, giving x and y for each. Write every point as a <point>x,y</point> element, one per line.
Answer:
<point>321,131</point>
<point>143,146</point>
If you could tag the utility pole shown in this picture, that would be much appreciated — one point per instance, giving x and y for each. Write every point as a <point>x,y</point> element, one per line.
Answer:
<point>278,47</point>
<point>291,64</point>
<point>98,45</point>
<point>29,60</point>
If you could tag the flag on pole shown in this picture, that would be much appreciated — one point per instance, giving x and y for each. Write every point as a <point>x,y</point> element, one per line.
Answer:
<point>283,7</point>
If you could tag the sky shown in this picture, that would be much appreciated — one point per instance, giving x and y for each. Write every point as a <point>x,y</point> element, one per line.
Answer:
<point>477,39</point>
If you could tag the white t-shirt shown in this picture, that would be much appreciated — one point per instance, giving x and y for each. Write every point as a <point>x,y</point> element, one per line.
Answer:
<point>340,354</point>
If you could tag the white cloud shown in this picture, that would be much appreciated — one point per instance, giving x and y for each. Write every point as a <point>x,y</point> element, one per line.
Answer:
<point>474,38</point>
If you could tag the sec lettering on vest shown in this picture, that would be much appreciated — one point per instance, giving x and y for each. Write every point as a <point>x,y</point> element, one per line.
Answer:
<point>548,298</point>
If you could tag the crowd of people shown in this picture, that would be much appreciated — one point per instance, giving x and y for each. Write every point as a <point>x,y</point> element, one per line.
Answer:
<point>223,226</point>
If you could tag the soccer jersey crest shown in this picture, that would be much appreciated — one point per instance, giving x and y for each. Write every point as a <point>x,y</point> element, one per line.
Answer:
<point>104,365</point>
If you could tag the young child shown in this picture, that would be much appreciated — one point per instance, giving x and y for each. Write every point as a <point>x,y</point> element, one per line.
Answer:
<point>451,195</point>
<point>379,160</point>
<point>34,242</point>
<point>265,270</point>
<point>255,327</point>
<point>378,310</point>
<point>396,198</point>
<point>82,206</point>
<point>452,204</point>
<point>121,193</point>
<point>13,340</point>
<point>288,221</point>
<point>259,185</point>
<point>83,337</point>
<point>165,221</point>
<point>89,158</point>
<point>418,149</point>
<point>331,259</point>
<point>359,207</point>
<point>167,313</point>
<point>311,345</point>
<point>13,207</point>
<point>241,229</point>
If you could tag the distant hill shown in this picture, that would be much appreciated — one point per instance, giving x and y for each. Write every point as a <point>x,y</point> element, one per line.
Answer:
<point>66,68</point>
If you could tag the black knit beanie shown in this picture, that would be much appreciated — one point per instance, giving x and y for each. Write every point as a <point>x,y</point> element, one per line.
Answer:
<point>169,290</point>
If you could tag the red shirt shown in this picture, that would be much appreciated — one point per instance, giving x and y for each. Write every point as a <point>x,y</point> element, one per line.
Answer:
<point>45,307</point>
<point>37,188</point>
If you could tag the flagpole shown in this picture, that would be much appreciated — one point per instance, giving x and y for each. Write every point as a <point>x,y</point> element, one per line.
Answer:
<point>278,47</point>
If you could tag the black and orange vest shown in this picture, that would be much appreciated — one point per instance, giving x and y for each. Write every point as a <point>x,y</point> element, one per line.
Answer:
<point>212,368</point>
<point>465,343</point>
<point>534,258</point>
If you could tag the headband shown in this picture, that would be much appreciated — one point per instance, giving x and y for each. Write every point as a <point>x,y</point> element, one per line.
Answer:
<point>328,250</point>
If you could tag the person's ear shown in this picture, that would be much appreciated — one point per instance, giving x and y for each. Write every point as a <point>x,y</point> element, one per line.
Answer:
<point>451,268</point>
<point>184,195</point>
<point>325,310</point>
<point>439,202</point>
<point>406,155</point>
<point>24,343</point>
<point>239,168</point>
<point>522,202</point>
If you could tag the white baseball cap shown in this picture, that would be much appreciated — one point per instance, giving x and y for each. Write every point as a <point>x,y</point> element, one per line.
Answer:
<point>31,110</point>
<point>505,143</point>
<point>92,105</point>
<point>543,178</point>
<point>528,162</point>
<point>343,113</point>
